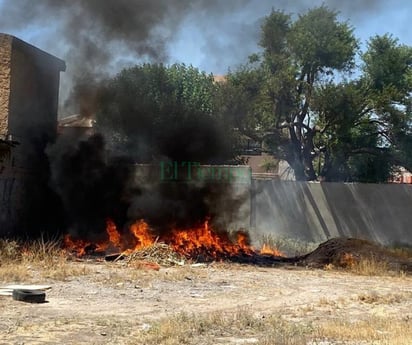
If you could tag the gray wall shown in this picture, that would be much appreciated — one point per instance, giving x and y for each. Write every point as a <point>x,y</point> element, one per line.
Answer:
<point>318,211</point>
<point>10,197</point>
<point>233,180</point>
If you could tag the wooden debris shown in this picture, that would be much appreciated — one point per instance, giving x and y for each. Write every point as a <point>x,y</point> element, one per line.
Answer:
<point>114,257</point>
<point>159,253</point>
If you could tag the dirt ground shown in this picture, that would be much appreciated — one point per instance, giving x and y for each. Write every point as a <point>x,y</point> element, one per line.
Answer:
<point>110,302</point>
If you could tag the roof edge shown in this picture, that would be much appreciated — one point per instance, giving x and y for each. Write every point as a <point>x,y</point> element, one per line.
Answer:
<point>61,64</point>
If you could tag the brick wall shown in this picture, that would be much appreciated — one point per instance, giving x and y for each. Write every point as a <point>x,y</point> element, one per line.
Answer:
<point>5,73</point>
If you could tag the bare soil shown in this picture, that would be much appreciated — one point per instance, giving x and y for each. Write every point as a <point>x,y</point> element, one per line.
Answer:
<point>102,302</point>
<point>112,302</point>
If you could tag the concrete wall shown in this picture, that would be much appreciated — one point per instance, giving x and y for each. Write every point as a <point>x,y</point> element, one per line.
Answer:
<point>233,181</point>
<point>318,211</point>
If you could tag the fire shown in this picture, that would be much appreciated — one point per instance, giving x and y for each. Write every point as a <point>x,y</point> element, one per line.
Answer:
<point>203,241</point>
<point>269,250</point>
<point>77,246</point>
<point>200,242</point>
<point>140,230</point>
<point>114,236</point>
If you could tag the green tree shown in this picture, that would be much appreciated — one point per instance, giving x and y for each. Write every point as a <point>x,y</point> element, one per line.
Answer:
<point>298,98</point>
<point>157,112</point>
<point>368,120</point>
<point>388,72</point>
<point>348,140</point>
<point>298,56</point>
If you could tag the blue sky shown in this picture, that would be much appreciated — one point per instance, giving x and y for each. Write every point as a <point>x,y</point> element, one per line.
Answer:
<point>212,38</point>
<point>222,40</point>
<point>387,17</point>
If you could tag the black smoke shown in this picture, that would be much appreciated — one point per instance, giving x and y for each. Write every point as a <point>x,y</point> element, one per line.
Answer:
<point>94,185</point>
<point>96,38</point>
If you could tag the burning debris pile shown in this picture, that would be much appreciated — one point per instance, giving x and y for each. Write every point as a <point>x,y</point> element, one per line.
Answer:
<point>106,200</point>
<point>142,247</point>
<point>157,254</point>
<point>200,243</point>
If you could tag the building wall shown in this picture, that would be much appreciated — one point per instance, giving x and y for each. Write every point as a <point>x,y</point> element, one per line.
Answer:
<point>401,176</point>
<point>29,88</point>
<point>33,103</point>
<point>318,211</point>
<point>5,72</point>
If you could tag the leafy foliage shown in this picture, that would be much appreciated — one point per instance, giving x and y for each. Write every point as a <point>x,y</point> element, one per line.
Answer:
<point>297,100</point>
<point>297,97</point>
<point>156,111</point>
<point>387,66</point>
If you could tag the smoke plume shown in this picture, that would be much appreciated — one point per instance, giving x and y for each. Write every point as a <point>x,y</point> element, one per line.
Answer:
<point>97,38</point>
<point>94,186</point>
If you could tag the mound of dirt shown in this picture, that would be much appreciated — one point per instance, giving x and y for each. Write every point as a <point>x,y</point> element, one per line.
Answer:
<point>347,252</point>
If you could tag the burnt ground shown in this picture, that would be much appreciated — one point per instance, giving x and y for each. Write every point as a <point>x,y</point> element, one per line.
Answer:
<point>111,302</point>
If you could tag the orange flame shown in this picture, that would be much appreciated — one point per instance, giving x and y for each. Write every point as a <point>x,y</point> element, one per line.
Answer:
<point>201,241</point>
<point>77,246</point>
<point>114,236</point>
<point>269,250</point>
<point>140,230</point>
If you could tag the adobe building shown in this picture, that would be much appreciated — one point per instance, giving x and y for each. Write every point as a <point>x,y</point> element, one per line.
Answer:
<point>29,91</point>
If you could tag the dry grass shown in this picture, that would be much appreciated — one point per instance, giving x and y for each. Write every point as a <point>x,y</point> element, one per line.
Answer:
<point>16,272</point>
<point>376,267</point>
<point>64,271</point>
<point>404,252</point>
<point>37,260</point>
<point>41,250</point>
<point>288,246</point>
<point>366,266</point>
<point>230,327</point>
<point>374,330</point>
<point>35,272</point>
<point>389,298</point>
<point>9,250</point>
<point>11,267</point>
<point>243,327</point>
<point>370,267</point>
<point>223,328</point>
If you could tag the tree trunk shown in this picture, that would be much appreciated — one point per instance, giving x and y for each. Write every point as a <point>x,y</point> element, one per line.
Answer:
<point>309,169</point>
<point>300,158</point>
<point>298,169</point>
<point>294,156</point>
